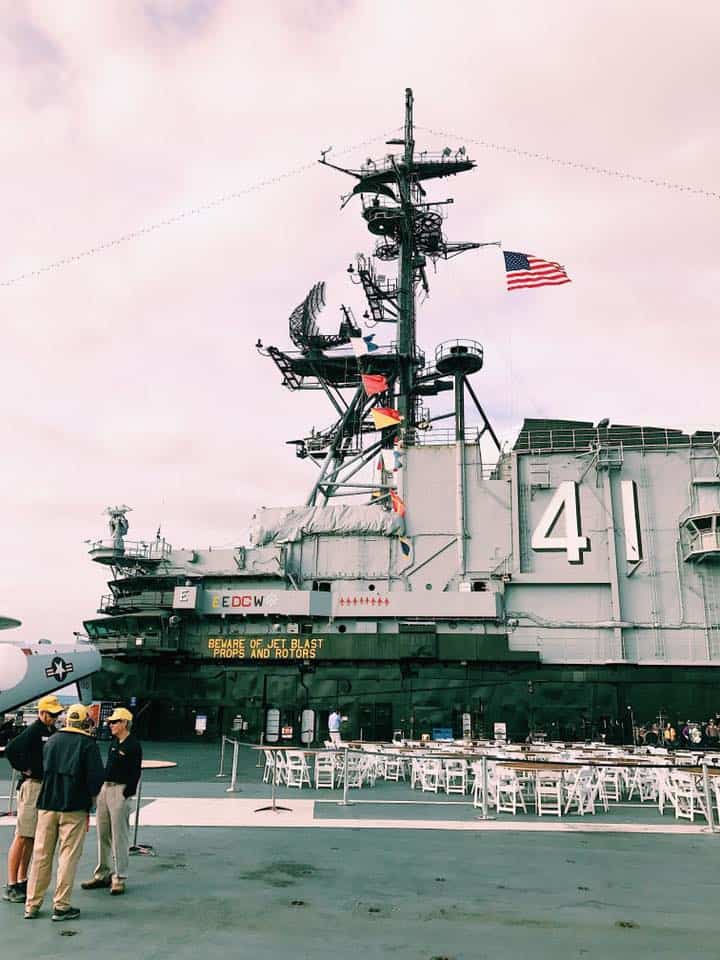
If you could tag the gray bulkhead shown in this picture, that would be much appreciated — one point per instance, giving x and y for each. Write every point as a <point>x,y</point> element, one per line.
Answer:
<point>611,606</point>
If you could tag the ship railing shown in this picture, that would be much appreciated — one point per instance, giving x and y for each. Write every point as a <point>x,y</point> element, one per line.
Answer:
<point>588,438</point>
<point>417,352</point>
<point>452,348</point>
<point>390,161</point>
<point>136,643</point>
<point>703,542</point>
<point>134,549</point>
<point>424,436</point>
<point>147,600</point>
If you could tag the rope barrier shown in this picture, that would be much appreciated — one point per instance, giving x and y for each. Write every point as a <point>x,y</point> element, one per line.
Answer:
<point>697,766</point>
<point>630,760</point>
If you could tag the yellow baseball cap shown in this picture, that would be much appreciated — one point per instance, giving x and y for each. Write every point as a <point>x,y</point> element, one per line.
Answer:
<point>120,713</point>
<point>50,704</point>
<point>76,715</point>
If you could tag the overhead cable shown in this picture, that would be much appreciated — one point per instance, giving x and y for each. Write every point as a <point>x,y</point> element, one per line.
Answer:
<point>577,165</point>
<point>181,215</point>
<point>302,168</point>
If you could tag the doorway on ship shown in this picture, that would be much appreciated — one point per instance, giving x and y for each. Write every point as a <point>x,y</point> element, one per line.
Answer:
<point>375,722</point>
<point>168,720</point>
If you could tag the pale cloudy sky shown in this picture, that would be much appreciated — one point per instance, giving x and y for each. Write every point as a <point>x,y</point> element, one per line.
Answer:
<point>130,376</point>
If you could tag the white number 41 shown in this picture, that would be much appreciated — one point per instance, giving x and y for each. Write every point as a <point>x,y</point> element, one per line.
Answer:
<point>565,501</point>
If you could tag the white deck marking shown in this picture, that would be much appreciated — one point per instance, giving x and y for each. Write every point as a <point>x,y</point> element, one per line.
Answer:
<point>236,812</point>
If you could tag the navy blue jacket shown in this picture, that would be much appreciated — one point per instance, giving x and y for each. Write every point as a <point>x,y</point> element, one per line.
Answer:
<point>25,751</point>
<point>73,772</point>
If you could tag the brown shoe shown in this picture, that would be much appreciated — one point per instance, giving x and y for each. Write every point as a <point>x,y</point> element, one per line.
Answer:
<point>117,887</point>
<point>99,884</point>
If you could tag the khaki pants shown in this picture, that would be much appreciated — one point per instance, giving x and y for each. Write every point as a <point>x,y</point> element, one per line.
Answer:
<point>27,813</point>
<point>69,829</point>
<point>113,825</point>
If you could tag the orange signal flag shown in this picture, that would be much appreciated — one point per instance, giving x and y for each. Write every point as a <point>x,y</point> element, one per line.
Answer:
<point>385,417</point>
<point>397,504</point>
<point>374,383</point>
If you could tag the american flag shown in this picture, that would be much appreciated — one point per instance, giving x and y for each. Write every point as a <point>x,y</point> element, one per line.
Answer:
<point>524,270</point>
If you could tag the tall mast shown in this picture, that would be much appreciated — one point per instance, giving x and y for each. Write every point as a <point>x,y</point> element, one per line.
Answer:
<point>408,228</point>
<point>406,302</point>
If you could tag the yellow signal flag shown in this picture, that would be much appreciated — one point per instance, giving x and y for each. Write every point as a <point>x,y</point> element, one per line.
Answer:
<point>385,417</point>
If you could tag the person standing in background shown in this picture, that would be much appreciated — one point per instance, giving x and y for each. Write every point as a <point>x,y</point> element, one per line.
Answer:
<point>334,721</point>
<point>122,773</point>
<point>72,778</point>
<point>25,754</point>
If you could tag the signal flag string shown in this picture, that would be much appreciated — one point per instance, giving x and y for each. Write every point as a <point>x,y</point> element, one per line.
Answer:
<point>302,168</point>
<point>184,214</point>
<point>577,165</point>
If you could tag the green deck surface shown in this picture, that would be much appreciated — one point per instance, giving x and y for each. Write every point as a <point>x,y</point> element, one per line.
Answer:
<point>293,892</point>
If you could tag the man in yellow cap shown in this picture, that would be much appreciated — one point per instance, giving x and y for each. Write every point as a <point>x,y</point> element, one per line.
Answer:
<point>122,773</point>
<point>25,754</point>
<point>72,779</point>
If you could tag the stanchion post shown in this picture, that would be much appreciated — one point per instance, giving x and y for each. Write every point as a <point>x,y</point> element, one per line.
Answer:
<point>274,808</point>
<point>233,788</point>
<point>273,787</point>
<point>708,796</point>
<point>134,848</point>
<point>484,770</point>
<point>484,815</point>
<point>220,772</point>
<point>345,802</point>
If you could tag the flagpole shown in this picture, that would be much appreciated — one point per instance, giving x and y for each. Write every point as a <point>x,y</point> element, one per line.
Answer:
<point>460,469</point>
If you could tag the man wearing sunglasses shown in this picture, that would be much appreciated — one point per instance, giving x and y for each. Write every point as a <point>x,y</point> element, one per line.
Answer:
<point>122,773</point>
<point>25,754</point>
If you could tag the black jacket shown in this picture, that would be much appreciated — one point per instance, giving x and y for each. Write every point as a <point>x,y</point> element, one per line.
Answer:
<point>73,772</point>
<point>25,752</point>
<point>124,763</point>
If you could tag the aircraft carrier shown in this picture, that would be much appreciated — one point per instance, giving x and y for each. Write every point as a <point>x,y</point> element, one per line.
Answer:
<point>433,582</point>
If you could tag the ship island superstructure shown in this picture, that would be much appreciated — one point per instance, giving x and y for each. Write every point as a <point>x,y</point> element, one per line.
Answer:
<point>432,580</point>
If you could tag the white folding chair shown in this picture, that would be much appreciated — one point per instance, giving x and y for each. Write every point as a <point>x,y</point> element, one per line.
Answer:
<point>269,766</point>
<point>477,787</point>
<point>281,766</point>
<point>548,792</point>
<point>508,792</point>
<point>612,781</point>
<point>324,770</point>
<point>688,797</point>
<point>392,768</point>
<point>456,772</point>
<point>430,775</point>
<point>297,769</point>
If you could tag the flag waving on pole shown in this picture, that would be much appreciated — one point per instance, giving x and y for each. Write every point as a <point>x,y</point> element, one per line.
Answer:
<point>385,417</point>
<point>361,346</point>
<point>525,271</point>
<point>373,383</point>
<point>397,504</point>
